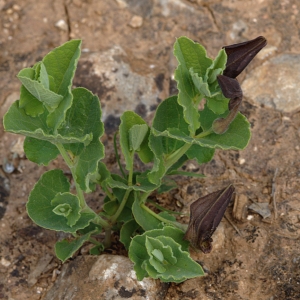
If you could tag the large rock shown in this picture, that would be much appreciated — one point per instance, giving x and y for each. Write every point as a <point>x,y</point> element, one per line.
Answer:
<point>105,277</point>
<point>275,83</point>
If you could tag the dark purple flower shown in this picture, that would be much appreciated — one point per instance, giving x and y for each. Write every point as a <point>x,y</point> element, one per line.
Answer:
<point>240,55</point>
<point>206,214</point>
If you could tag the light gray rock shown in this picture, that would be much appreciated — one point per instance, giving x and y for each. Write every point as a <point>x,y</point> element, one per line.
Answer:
<point>117,85</point>
<point>105,277</point>
<point>276,83</point>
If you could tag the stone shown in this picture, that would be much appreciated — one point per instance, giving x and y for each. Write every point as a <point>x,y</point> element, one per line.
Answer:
<point>62,25</point>
<point>117,85</point>
<point>105,277</point>
<point>136,22</point>
<point>275,83</point>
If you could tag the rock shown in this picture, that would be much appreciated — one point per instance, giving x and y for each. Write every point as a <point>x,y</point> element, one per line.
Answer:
<point>136,22</point>
<point>62,25</point>
<point>118,86</point>
<point>275,83</point>
<point>105,277</point>
<point>36,271</point>
<point>141,8</point>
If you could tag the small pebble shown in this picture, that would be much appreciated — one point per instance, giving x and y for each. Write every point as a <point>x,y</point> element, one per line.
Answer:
<point>242,161</point>
<point>5,262</point>
<point>62,25</point>
<point>136,22</point>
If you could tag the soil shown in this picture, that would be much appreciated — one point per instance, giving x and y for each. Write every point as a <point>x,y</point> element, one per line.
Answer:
<point>253,257</point>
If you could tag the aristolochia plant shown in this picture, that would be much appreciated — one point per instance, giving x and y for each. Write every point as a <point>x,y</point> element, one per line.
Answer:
<point>57,119</point>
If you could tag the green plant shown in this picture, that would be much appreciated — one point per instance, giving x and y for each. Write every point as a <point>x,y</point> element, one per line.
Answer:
<point>57,119</point>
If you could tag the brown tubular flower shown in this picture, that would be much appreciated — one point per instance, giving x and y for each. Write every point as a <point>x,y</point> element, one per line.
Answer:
<point>206,214</point>
<point>231,89</point>
<point>238,57</point>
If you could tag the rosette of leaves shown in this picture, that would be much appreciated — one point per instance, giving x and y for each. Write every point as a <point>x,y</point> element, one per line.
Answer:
<point>163,254</point>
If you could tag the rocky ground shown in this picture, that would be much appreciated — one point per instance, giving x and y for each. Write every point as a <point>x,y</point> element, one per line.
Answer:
<point>127,61</point>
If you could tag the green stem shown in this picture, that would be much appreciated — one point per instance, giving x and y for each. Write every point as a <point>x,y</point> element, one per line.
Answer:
<point>171,160</point>
<point>107,239</point>
<point>144,197</point>
<point>176,224</point>
<point>204,134</point>
<point>124,200</point>
<point>94,241</point>
<point>117,155</point>
<point>130,175</point>
<point>174,157</point>
<point>120,208</point>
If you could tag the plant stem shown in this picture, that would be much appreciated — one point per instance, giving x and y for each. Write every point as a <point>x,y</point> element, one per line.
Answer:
<point>178,153</point>
<point>124,200</point>
<point>117,155</point>
<point>144,197</point>
<point>176,224</point>
<point>130,175</point>
<point>204,134</point>
<point>94,241</point>
<point>174,157</point>
<point>121,206</point>
<point>107,239</point>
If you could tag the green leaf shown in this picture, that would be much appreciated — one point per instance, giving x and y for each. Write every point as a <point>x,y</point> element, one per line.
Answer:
<point>189,55</point>
<point>169,241</point>
<point>40,208</point>
<point>201,154</point>
<point>44,78</point>
<point>111,207</point>
<point>128,120</point>
<point>178,266</point>
<point>169,114</point>
<point>236,137</point>
<point>31,105</point>
<point>97,250</point>
<point>84,118</point>
<point>178,164</point>
<point>217,67</point>
<point>17,121</point>
<point>65,249</point>
<point>218,104</point>
<point>61,64</point>
<point>137,134</point>
<point>40,151</point>
<point>143,218</point>
<point>142,184</point>
<point>50,99</point>
<point>201,85</point>
<point>212,93</point>
<point>160,255</point>
<point>128,230</point>
<point>67,205</point>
